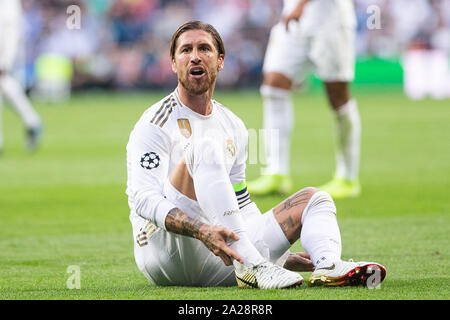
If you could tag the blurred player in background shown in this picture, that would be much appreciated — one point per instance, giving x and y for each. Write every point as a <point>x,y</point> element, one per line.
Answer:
<point>10,88</point>
<point>314,35</point>
<point>194,223</point>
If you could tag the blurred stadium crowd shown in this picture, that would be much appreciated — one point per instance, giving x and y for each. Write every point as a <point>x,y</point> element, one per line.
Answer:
<point>124,43</point>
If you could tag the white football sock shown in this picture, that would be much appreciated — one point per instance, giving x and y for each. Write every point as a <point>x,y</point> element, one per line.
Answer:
<point>320,236</point>
<point>277,124</point>
<point>13,91</point>
<point>348,140</point>
<point>216,196</point>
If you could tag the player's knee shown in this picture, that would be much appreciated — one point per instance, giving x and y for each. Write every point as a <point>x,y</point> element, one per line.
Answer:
<point>274,92</point>
<point>337,101</point>
<point>318,196</point>
<point>301,198</point>
<point>338,94</point>
<point>308,190</point>
<point>318,201</point>
<point>306,193</point>
<point>277,80</point>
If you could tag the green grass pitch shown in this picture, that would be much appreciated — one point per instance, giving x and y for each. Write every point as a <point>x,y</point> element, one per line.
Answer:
<point>66,205</point>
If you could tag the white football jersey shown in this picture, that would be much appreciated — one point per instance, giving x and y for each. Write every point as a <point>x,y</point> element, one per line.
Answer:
<point>320,13</point>
<point>157,144</point>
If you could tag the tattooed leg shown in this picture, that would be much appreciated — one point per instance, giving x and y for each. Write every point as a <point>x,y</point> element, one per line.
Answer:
<point>289,213</point>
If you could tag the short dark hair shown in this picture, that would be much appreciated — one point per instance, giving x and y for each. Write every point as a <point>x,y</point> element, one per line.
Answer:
<point>197,25</point>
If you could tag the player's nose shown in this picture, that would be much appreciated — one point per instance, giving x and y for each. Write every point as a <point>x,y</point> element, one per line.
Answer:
<point>195,56</point>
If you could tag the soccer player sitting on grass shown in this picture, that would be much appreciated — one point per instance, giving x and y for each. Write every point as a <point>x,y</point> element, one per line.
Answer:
<point>193,221</point>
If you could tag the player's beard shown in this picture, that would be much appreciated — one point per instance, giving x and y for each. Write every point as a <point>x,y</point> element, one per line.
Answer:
<point>198,86</point>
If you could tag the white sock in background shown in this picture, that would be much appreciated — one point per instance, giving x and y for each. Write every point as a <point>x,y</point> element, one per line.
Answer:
<point>278,122</point>
<point>348,140</point>
<point>12,90</point>
<point>320,236</point>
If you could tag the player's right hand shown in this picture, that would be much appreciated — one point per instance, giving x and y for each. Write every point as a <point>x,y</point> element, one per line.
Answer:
<point>215,239</point>
<point>299,261</point>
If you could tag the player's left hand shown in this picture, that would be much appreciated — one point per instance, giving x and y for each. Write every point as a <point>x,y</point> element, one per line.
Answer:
<point>299,261</point>
<point>215,239</point>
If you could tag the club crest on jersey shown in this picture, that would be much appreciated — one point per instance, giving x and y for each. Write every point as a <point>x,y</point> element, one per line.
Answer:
<point>231,149</point>
<point>150,161</point>
<point>185,127</point>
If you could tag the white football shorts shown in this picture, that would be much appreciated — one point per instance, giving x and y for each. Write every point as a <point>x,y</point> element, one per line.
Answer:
<point>328,52</point>
<point>169,259</point>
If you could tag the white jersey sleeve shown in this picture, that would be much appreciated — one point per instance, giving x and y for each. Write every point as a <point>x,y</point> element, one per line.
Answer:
<point>148,157</point>
<point>238,177</point>
<point>237,173</point>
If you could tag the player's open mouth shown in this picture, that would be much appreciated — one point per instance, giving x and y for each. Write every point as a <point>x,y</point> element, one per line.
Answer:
<point>197,72</point>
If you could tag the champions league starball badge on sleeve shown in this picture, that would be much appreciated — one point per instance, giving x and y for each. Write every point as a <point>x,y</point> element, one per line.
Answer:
<point>150,161</point>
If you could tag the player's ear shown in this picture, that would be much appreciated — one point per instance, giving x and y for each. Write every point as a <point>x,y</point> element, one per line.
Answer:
<point>174,66</point>
<point>221,61</point>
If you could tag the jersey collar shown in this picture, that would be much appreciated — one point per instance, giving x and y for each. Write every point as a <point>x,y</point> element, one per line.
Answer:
<point>192,112</point>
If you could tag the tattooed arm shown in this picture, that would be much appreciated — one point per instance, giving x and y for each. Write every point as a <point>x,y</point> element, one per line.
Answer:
<point>213,237</point>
